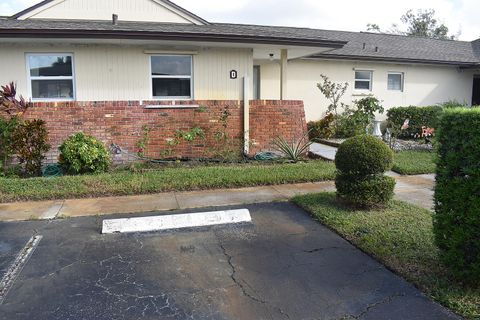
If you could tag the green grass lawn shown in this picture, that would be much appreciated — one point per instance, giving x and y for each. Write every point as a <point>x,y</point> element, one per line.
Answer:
<point>401,237</point>
<point>168,179</point>
<point>414,162</point>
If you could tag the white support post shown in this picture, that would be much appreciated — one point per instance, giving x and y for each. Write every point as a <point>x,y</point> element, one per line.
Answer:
<point>283,74</point>
<point>246,115</point>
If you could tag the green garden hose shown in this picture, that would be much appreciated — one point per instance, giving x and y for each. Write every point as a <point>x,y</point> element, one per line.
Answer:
<point>266,156</point>
<point>52,170</point>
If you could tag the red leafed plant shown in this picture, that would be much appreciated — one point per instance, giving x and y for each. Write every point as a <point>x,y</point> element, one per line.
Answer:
<point>10,105</point>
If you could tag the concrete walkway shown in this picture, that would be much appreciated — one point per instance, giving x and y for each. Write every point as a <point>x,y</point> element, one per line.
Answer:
<point>34,210</point>
<point>417,190</point>
<point>323,151</point>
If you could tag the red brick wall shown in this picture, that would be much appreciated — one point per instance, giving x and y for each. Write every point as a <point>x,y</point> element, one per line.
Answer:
<point>122,123</point>
<point>270,119</point>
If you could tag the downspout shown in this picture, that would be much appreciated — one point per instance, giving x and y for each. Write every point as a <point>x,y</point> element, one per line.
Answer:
<point>246,115</point>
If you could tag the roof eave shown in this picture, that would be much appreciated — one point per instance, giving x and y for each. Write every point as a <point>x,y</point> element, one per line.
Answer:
<point>29,9</point>
<point>181,36</point>
<point>393,59</point>
<point>185,11</point>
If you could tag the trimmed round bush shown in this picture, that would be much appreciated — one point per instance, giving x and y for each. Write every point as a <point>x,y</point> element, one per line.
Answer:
<point>83,153</point>
<point>457,193</point>
<point>364,155</point>
<point>369,192</point>
<point>361,162</point>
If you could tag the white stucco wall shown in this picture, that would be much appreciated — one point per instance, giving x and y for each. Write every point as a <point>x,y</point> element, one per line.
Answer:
<point>127,10</point>
<point>121,72</point>
<point>423,85</point>
<point>115,73</point>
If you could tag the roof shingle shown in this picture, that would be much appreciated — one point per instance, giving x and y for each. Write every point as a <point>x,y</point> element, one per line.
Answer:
<point>149,30</point>
<point>348,45</point>
<point>386,46</point>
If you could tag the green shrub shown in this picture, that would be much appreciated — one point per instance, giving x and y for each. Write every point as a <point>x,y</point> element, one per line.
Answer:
<point>363,155</point>
<point>367,192</point>
<point>82,153</point>
<point>356,121</point>
<point>457,193</point>
<point>293,150</point>
<point>418,116</point>
<point>347,126</point>
<point>367,108</point>
<point>453,104</point>
<point>7,146</point>
<point>322,129</point>
<point>30,139</point>
<point>361,162</point>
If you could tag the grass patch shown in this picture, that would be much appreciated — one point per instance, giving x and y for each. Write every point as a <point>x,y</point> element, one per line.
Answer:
<point>401,237</point>
<point>414,162</point>
<point>161,180</point>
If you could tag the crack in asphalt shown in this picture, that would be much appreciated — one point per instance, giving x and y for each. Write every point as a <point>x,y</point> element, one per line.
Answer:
<point>373,306</point>
<point>139,302</point>
<point>325,248</point>
<point>59,270</point>
<point>118,279</point>
<point>234,278</point>
<point>242,287</point>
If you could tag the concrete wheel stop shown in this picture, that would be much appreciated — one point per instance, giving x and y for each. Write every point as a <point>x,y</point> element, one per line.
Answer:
<point>175,221</point>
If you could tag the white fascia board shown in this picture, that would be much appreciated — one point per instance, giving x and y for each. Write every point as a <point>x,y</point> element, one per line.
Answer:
<point>39,9</point>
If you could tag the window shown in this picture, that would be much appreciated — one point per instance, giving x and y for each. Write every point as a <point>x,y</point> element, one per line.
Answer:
<point>363,80</point>
<point>51,76</point>
<point>171,77</point>
<point>395,81</point>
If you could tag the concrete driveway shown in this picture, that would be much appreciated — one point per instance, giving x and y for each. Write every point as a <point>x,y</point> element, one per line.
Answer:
<point>283,266</point>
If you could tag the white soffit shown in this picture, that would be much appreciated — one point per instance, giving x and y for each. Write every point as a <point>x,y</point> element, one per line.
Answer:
<point>263,53</point>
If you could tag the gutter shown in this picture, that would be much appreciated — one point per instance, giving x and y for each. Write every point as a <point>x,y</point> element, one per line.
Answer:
<point>182,36</point>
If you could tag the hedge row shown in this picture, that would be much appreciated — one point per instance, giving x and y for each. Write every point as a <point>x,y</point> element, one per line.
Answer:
<point>418,116</point>
<point>457,193</point>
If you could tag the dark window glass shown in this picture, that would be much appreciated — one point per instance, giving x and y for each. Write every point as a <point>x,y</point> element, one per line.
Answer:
<point>52,89</point>
<point>172,66</point>
<point>164,87</point>
<point>362,85</point>
<point>395,82</point>
<point>363,75</point>
<point>50,66</point>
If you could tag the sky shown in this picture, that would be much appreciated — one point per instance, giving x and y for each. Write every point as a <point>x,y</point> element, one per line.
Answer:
<point>350,15</point>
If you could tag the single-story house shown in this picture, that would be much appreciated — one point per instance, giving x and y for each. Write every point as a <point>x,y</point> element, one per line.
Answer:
<point>115,67</point>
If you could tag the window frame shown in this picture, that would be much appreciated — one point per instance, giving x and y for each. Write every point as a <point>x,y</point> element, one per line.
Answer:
<point>370,81</point>
<point>31,78</point>
<point>171,98</point>
<point>402,80</point>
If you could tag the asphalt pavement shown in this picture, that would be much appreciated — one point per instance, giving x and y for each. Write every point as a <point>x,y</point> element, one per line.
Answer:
<point>284,265</point>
